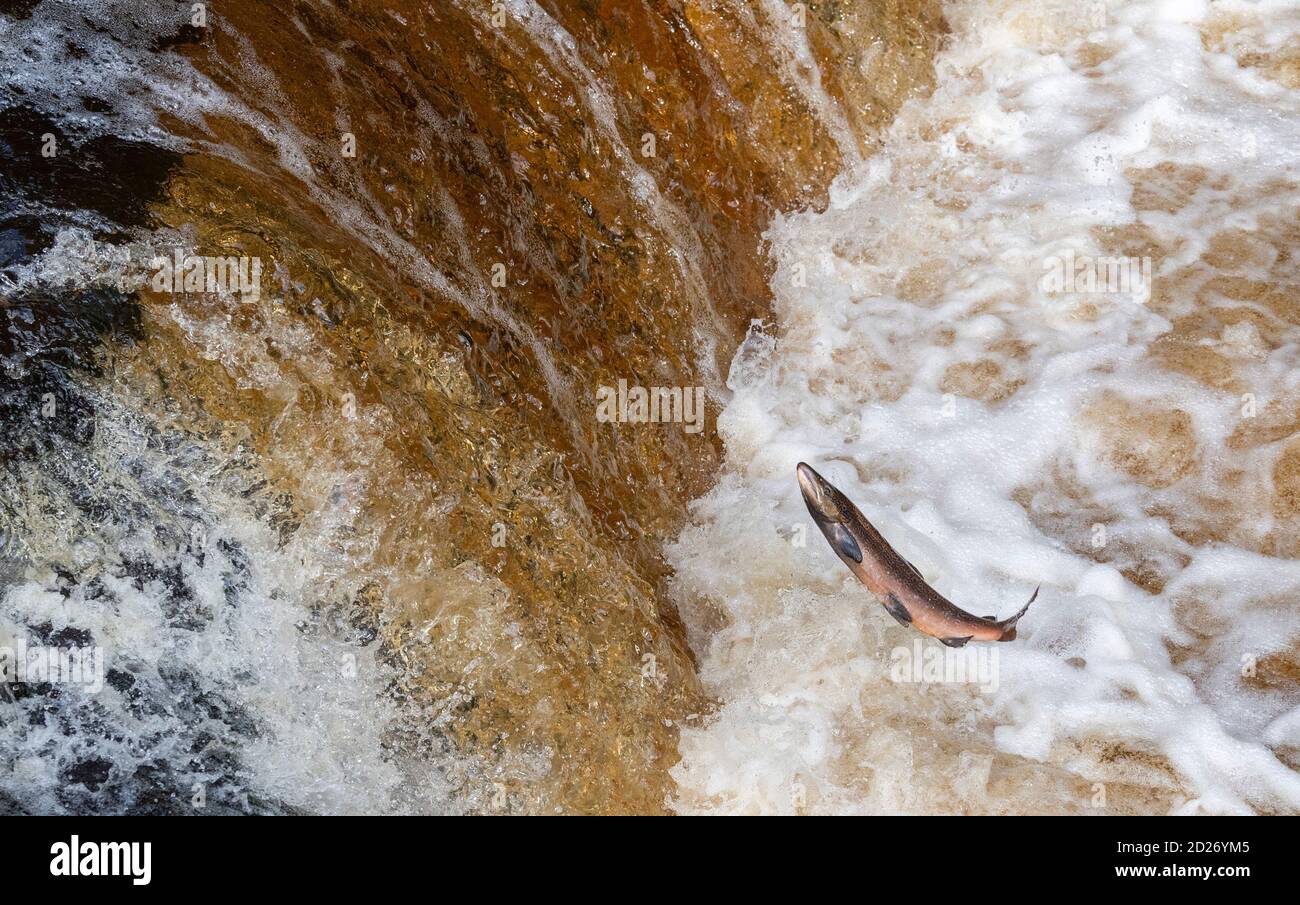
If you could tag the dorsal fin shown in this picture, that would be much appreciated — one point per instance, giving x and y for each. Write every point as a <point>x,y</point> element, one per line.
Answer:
<point>915,570</point>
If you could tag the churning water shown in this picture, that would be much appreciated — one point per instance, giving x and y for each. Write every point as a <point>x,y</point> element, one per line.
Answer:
<point>352,535</point>
<point>1130,446</point>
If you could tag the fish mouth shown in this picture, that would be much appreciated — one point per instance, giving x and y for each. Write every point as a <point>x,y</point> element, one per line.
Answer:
<point>818,494</point>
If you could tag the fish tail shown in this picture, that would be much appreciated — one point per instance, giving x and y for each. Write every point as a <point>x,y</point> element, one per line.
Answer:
<point>1008,625</point>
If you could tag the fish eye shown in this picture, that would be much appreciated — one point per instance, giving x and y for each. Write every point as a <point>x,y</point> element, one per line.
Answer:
<point>816,492</point>
<point>845,543</point>
<point>824,503</point>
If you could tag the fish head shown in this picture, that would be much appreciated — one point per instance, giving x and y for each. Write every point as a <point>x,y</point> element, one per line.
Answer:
<point>831,510</point>
<point>818,494</point>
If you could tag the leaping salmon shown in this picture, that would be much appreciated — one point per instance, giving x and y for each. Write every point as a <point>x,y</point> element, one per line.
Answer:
<point>899,585</point>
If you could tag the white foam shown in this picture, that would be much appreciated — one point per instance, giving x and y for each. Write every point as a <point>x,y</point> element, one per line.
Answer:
<point>1022,151</point>
<point>228,665</point>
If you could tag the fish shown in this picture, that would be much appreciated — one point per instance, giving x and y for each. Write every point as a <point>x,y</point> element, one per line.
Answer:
<point>897,583</point>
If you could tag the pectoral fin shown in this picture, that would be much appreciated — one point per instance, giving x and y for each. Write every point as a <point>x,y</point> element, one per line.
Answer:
<point>846,544</point>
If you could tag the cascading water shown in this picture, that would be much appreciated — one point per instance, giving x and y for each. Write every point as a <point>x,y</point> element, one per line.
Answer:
<point>350,535</point>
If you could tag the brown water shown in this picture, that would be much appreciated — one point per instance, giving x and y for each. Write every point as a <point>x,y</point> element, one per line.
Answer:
<point>470,216</point>
<point>361,541</point>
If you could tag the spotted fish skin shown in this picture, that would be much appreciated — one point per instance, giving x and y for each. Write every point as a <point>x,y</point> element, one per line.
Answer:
<point>898,584</point>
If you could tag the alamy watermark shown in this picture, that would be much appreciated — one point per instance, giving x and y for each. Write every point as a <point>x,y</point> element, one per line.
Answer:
<point>651,405</point>
<point>208,274</point>
<point>75,858</point>
<point>1109,275</point>
<point>940,665</point>
<point>56,665</point>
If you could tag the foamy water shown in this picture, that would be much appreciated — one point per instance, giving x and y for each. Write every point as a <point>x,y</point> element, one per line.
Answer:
<point>221,692</point>
<point>239,674</point>
<point>272,517</point>
<point>1004,434</point>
